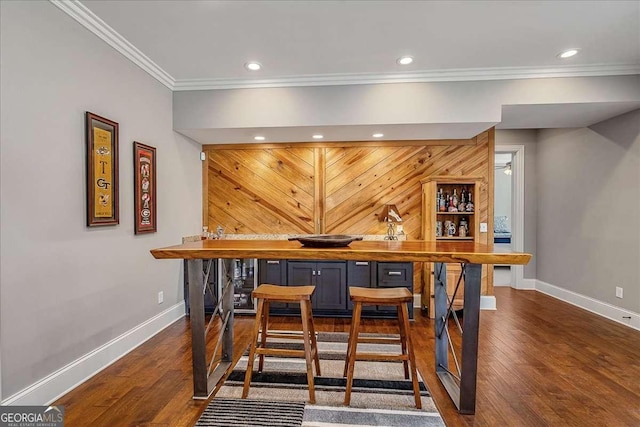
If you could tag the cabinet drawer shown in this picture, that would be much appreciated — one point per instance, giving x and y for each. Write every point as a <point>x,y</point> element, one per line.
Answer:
<point>359,273</point>
<point>394,274</point>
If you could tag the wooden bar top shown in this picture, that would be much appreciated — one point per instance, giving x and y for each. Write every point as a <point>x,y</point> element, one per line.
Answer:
<point>414,250</point>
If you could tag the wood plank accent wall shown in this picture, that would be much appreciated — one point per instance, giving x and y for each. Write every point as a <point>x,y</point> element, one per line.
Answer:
<point>337,187</point>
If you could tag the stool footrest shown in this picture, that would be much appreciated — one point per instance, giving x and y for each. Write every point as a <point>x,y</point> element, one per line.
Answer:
<point>379,357</point>
<point>283,335</point>
<point>280,352</point>
<point>379,341</point>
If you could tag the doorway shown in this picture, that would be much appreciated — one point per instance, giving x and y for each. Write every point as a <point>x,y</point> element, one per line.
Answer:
<point>509,211</point>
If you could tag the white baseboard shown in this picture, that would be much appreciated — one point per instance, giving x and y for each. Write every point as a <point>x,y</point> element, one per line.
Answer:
<point>58,383</point>
<point>528,284</point>
<point>488,302</point>
<point>617,314</point>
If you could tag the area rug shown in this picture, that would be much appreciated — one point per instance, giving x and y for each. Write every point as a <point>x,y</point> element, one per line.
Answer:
<point>380,395</point>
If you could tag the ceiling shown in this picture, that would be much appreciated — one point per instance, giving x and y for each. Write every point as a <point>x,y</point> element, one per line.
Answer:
<point>205,44</point>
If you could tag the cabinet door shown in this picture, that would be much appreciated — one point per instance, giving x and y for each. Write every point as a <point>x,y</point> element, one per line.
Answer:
<point>273,272</point>
<point>301,274</point>
<point>360,274</point>
<point>331,286</point>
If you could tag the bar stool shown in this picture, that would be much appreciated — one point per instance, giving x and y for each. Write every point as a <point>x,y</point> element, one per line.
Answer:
<point>398,297</point>
<point>265,294</point>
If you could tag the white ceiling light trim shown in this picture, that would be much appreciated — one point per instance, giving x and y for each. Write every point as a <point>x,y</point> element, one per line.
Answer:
<point>568,53</point>
<point>405,60</point>
<point>97,26</point>
<point>253,66</point>
<point>468,74</point>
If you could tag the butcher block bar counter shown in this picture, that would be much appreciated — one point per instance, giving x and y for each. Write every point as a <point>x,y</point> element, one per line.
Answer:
<point>461,386</point>
<point>387,250</point>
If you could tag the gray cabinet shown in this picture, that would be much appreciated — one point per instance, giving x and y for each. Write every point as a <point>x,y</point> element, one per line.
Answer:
<point>329,278</point>
<point>394,275</point>
<point>332,280</point>
<point>361,274</point>
<point>273,272</point>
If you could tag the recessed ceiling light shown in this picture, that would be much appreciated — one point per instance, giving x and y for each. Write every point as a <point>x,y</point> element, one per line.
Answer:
<point>405,60</point>
<point>568,53</point>
<point>259,138</point>
<point>252,66</point>
<point>378,135</point>
<point>318,136</point>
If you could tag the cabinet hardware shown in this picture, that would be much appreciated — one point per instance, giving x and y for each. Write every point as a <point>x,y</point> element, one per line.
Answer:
<point>319,272</point>
<point>395,273</point>
<point>362,263</point>
<point>273,262</point>
<point>313,273</point>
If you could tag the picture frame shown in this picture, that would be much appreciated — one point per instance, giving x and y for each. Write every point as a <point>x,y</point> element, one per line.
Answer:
<point>102,173</point>
<point>144,192</point>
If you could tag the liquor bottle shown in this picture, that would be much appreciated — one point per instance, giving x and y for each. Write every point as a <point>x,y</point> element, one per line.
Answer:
<point>205,233</point>
<point>469,207</point>
<point>455,199</point>
<point>443,204</point>
<point>463,200</point>
<point>452,206</point>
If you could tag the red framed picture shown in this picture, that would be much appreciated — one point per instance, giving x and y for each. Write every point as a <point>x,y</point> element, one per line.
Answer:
<point>144,172</point>
<point>102,171</point>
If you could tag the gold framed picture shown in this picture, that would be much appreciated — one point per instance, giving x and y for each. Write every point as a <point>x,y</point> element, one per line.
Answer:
<point>102,171</point>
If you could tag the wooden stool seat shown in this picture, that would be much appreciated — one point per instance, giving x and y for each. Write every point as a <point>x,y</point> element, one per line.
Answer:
<point>265,294</point>
<point>398,297</point>
<point>283,293</point>
<point>380,296</point>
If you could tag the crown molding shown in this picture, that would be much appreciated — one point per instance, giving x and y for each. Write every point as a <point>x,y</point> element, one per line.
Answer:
<point>97,26</point>
<point>453,75</point>
<point>93,23</point>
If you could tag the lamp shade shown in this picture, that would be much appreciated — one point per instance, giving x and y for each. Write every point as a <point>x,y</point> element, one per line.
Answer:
<point>391,214</point>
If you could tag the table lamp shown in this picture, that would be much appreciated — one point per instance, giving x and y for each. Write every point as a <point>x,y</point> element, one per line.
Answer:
<point>391,217</point>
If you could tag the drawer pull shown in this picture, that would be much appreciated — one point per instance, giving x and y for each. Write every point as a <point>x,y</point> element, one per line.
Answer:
<point>273,262</point>
<point>395,273</point>
<point>362,263</point>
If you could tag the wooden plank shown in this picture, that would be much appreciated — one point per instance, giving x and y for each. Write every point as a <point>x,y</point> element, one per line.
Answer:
<point>319,190</point>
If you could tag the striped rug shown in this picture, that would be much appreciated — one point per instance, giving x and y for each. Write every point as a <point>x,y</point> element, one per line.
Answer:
<point>225,412</point>
<point>380,396</point>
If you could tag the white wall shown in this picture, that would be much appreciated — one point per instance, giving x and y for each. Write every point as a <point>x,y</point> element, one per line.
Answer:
<point>588,203</point>
<point>65,289</point>
<point>477,102</point>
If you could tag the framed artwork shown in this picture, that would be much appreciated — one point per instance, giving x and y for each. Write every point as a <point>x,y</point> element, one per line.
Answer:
<point>144,193</point>
<point>102,171</point>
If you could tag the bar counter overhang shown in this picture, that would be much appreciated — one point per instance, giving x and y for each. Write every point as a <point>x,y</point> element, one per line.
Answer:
<point>462,389</point>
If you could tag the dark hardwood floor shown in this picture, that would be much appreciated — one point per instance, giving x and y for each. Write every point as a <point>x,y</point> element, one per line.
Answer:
<point>542,363</point>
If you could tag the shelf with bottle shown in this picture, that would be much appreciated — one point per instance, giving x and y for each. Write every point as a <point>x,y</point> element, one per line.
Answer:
<point>449,200</point>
